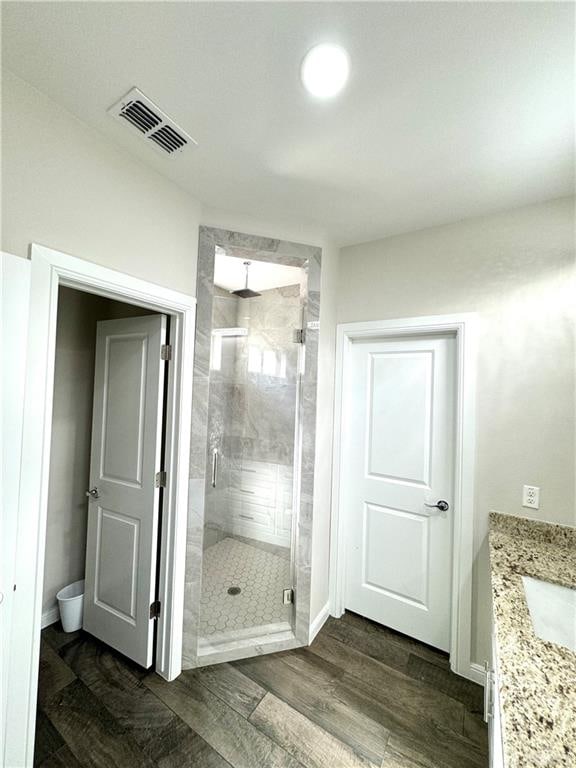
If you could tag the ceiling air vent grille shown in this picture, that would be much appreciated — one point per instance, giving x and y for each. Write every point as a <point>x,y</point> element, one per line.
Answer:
<point>168,139</point>
<point>139,115</point>
<point>153,125</point>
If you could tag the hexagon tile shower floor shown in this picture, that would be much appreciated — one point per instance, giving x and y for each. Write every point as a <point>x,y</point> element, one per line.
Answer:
<point>261,577</point>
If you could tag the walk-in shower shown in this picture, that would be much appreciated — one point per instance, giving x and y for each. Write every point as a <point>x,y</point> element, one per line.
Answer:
<point>252,400</point>
<point>254,403</point>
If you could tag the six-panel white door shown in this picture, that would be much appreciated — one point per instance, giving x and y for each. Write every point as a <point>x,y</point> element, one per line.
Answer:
<point>122,537</point>
<point>398,458</point>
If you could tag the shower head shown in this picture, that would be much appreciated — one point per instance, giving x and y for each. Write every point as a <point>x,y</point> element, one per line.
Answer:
<point>246,293</point>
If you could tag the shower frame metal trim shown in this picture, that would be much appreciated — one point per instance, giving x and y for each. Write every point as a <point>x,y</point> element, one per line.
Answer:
<point>278,252</point>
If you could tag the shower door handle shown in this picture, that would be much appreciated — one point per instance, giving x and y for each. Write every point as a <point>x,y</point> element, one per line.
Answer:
<point>214,466</point>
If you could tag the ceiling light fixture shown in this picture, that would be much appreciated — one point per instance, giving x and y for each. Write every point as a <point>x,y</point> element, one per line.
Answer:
<point>325,70</point>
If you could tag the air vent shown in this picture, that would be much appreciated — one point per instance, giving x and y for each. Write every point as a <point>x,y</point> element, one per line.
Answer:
<point>152,124</point>
<point>168,139</point>
<point>139,115</point>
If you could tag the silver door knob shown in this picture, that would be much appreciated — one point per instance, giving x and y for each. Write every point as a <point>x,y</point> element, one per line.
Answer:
<point>93,493</point>
<point>442,505</point>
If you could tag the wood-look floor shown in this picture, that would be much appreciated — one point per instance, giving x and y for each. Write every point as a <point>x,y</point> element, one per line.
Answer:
<point>360,696</point>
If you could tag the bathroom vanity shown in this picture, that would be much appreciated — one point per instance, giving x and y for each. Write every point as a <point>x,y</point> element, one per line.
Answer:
<point>531,684</point>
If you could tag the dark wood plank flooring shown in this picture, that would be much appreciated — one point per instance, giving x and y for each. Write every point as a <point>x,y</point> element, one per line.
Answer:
<point>362,696</point>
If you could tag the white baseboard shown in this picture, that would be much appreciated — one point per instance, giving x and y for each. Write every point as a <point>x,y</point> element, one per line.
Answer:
<point>50,616</point>
<point>317,624</point>
<point>477,674</point>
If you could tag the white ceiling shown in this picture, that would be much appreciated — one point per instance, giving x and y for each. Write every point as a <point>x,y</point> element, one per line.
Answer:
<point>453,109</point>
<point>230,273</point>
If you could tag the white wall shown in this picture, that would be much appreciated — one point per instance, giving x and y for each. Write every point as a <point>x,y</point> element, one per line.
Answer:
<point>516,269</point>
<point>67,187</point>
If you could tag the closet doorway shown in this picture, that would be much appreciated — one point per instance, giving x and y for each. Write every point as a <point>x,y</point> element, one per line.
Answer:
<point>135,536</point>
<point>106,467</point>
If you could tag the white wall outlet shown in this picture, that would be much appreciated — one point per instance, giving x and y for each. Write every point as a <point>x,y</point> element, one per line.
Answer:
<point>531,497</point>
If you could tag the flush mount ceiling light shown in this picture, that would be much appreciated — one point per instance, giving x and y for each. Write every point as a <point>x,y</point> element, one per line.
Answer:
<point>325,70</point>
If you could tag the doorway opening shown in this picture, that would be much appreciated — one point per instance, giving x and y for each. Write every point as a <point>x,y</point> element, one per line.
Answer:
<point>398,451</point>
<point>255,373</point>
<point>402,513</point>
<point>108,418</point>
<point>124,444</point>
<point>253,447</point>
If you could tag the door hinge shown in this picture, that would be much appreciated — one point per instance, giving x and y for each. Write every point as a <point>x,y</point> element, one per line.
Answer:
<point>299,336</point>
<point>288,596</point>
<point>166,352</point>
<point>160,479</point>
<point>155,609</point>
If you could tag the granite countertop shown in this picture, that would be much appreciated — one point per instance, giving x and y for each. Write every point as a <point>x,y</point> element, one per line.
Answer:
<point>537,678</point>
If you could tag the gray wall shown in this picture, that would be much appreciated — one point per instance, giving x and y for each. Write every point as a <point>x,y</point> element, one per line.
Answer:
<point>251,416</point>
<point>71,433</point>
<point>516,269</point>
<point>269,402</point>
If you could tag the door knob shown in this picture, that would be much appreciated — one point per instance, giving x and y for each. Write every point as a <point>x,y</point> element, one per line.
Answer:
<point>93,493</point>
<point>442,505</point>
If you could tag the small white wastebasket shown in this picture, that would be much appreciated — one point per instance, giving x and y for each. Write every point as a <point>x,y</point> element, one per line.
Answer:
<point>71,604</point>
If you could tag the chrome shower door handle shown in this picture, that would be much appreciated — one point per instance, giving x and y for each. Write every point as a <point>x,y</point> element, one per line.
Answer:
<point>214,466</point>
<point>93,493</point>
<point>488,693</point>
<point>441,506</point>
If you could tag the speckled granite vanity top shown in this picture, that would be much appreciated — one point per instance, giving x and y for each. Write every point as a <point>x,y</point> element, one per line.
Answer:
<point>537,678</point>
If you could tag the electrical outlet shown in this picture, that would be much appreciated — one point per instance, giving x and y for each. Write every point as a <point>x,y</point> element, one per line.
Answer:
<point>531,497</point>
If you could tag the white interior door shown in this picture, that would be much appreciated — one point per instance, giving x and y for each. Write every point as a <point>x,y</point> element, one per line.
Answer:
<point>122,538</point>
<point>398,458</point>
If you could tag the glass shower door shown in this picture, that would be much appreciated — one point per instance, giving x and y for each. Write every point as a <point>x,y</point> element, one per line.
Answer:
<point>251,448</point>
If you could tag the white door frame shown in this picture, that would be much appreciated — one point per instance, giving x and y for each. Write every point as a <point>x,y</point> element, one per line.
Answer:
<point>49,270</point>
<point>464,327</point>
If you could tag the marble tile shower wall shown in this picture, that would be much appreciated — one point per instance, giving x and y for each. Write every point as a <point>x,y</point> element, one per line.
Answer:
<point>252,394</point>
<point>266,370</point>
<point>280,252</point>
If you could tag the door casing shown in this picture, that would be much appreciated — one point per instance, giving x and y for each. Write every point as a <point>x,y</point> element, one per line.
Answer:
<point>464,327</point>
<point>51,269</point>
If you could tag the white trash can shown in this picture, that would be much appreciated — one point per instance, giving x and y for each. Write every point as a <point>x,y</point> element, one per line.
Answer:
<point>71,604</point>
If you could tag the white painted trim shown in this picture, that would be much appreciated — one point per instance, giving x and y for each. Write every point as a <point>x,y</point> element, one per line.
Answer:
<point>49,617</point>
<point>477,674</point>
<point>14,301</point>
<point>49,270</point>
<point>464,326</point>
<point>317,623</point>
